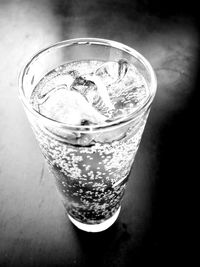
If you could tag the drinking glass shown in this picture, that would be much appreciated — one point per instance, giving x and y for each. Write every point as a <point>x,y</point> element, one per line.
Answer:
<point>90,163</point>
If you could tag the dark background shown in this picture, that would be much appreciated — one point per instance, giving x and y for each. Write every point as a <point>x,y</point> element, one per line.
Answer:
<point>157,224</point>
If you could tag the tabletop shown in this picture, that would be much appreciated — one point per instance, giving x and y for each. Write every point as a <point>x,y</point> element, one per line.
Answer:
<point>154,222</point>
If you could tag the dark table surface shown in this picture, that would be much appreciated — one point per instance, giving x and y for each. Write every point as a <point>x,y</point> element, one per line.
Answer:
<point>156,220</point>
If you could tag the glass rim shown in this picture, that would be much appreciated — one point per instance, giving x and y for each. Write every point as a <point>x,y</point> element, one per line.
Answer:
<point>87,41</point>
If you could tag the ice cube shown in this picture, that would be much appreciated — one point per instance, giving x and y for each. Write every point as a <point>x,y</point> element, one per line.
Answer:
<point>112,72</point>
<point>43,98</point>
<point>94,90</point>
<point>100,93</point>
<point>66,79</point>
<point>112,135</point>
<point>84,86</point>
<point>56,83</point>
<point>70,107</point>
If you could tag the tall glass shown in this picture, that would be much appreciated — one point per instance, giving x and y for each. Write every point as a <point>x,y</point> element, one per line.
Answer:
<point>91,178</point>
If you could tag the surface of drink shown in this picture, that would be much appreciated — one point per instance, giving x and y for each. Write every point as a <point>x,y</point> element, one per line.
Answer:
<point>91,167</point>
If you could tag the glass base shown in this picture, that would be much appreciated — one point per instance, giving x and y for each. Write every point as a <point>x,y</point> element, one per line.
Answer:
<point>95,228</point>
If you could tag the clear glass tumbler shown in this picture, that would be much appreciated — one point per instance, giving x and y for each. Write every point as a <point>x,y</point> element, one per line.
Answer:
<point>91,178</point>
